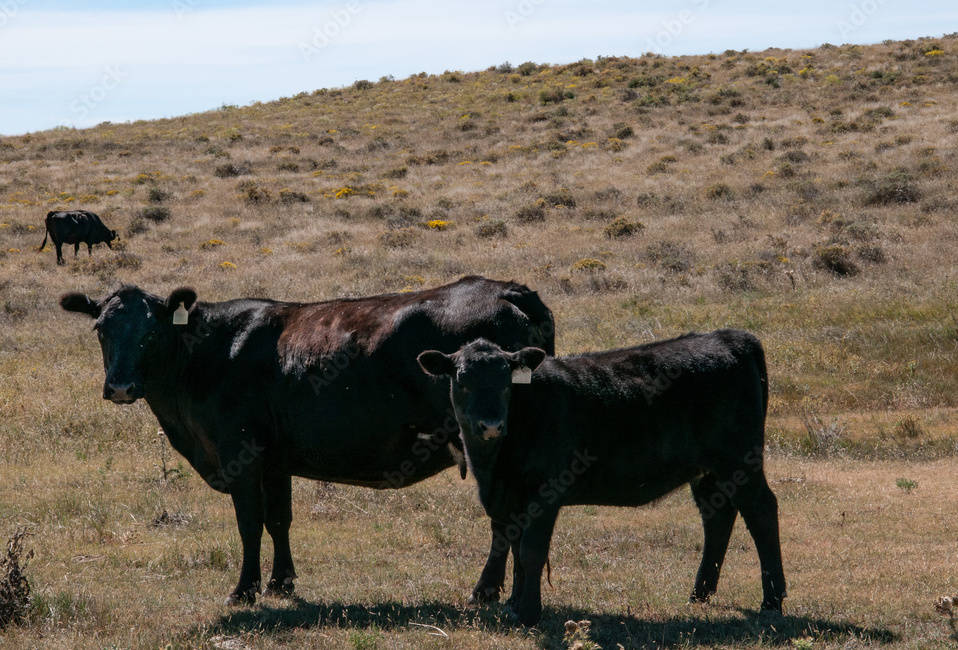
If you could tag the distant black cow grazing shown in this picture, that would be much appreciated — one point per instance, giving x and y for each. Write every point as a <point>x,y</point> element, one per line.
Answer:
<point>252,392</point>
<point>76,227</point>
<point>618,428</point>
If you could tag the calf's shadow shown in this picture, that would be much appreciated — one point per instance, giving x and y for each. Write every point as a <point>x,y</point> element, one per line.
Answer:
<point>698,627</point>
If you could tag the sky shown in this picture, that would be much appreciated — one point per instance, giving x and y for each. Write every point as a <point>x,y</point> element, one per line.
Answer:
<point>72,64</point>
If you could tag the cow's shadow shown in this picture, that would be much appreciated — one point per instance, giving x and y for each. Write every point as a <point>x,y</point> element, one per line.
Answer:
<point>700,626</point>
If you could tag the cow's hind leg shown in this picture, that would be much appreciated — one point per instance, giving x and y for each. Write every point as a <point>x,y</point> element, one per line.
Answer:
<point>759,508</point>
<point>89,249</point>
<point>718,519</point>
<point>494,573</point>
<point>59,248</point>
<point>277,492</point>
<point>76,249</point>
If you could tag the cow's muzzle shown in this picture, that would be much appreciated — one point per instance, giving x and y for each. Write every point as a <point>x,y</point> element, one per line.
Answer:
<point>122,393</point>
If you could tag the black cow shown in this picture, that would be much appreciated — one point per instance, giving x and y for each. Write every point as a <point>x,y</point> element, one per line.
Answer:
<point>252,392</point>
<point>76,227</point>
<point>618,428</point>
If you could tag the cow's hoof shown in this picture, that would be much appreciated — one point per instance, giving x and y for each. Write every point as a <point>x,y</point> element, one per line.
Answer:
<point>241,598</point>
<point>699,599</point>
<point>482,595</point>
<point>279,588</point>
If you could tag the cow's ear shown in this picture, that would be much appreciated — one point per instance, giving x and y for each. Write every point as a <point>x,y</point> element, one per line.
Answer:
<point>184,295</point>
<point>79,303</point>
<point>434,362</point>
<point>527,358</point>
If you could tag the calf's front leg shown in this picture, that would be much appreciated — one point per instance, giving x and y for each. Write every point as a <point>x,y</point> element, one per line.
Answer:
<point>532,557</point>
<point>494,573</point>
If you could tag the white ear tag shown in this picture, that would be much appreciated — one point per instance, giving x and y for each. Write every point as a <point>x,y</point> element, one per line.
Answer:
<point>522,375</point>
<point>181,316</point>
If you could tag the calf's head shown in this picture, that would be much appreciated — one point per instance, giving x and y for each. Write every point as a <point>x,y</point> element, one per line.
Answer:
<point>135,330</point>
<point>481,377</point>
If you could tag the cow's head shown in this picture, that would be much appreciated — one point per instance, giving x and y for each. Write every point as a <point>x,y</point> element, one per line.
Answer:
<point>135,329</point>
<point>481,377</point>
<point>111,235</point>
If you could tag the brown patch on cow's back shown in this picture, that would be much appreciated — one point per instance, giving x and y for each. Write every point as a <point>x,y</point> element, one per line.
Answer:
<point>315,330</point>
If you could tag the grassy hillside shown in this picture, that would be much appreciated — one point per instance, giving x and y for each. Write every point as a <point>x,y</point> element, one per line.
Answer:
<point>808,196</point>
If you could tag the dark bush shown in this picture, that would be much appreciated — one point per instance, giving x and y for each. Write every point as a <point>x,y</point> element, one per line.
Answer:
<point>156,195</point>
<point>14,586</point>
<point>230,170</point>
<point>289,196</point>
<point>897,187</point>
<point>622,227</point>
<point>835,259</point>
<point>531,213</point>
<point>494,228</point>
<point>672,256</point>
<point>155,213</point>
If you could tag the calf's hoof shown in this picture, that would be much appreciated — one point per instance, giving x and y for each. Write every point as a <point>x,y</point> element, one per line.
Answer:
<point>527,616</point>
<point>279,588</point>
<point>700,597</point>
<point>241,598</point>
<point>772,606</point>
<point>482,595</point>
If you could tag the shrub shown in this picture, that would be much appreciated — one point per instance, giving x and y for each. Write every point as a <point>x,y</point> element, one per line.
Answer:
<point>495,228</point>
<point>719,191</point>
<point>398,172</point>
<point>873,254</point>
<point>14,586</point>
<point>288,166</point>
<point>531,213</point>
<point>622,227</point>
<point>527,68</point>
<point>399,238</point>
<point>230,170</point>
<point>156,195</point>
<point>897,187</point>
<point>561,198</point>
<point>589,265</point>
<point>289,196</point>
<point>362,84</point>
<point>555,95</point>
<point>672,256</point>
<point>254,193</point>
<point>155,213</point>
<point>835,259</point>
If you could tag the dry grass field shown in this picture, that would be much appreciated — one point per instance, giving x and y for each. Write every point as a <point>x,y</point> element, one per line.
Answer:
<point>807,196</point>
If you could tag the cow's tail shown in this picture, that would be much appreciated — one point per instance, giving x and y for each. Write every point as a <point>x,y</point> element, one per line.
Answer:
<point>44,244</point>
<point>763,375</point>
<point>540,316</point>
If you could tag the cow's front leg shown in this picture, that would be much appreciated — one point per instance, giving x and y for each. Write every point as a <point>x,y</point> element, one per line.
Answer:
<point>89,249</point>
<point>76,250</point>
<point>494,573</point>
<point>247,495</point>
<point>277,492</point>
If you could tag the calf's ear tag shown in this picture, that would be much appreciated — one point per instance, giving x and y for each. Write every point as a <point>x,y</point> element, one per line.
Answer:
<point>181,316</point>
<point>522,375</point>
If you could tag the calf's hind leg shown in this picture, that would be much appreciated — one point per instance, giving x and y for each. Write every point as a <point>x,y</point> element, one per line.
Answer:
<point>718,519</point>
<point>759,508</point>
